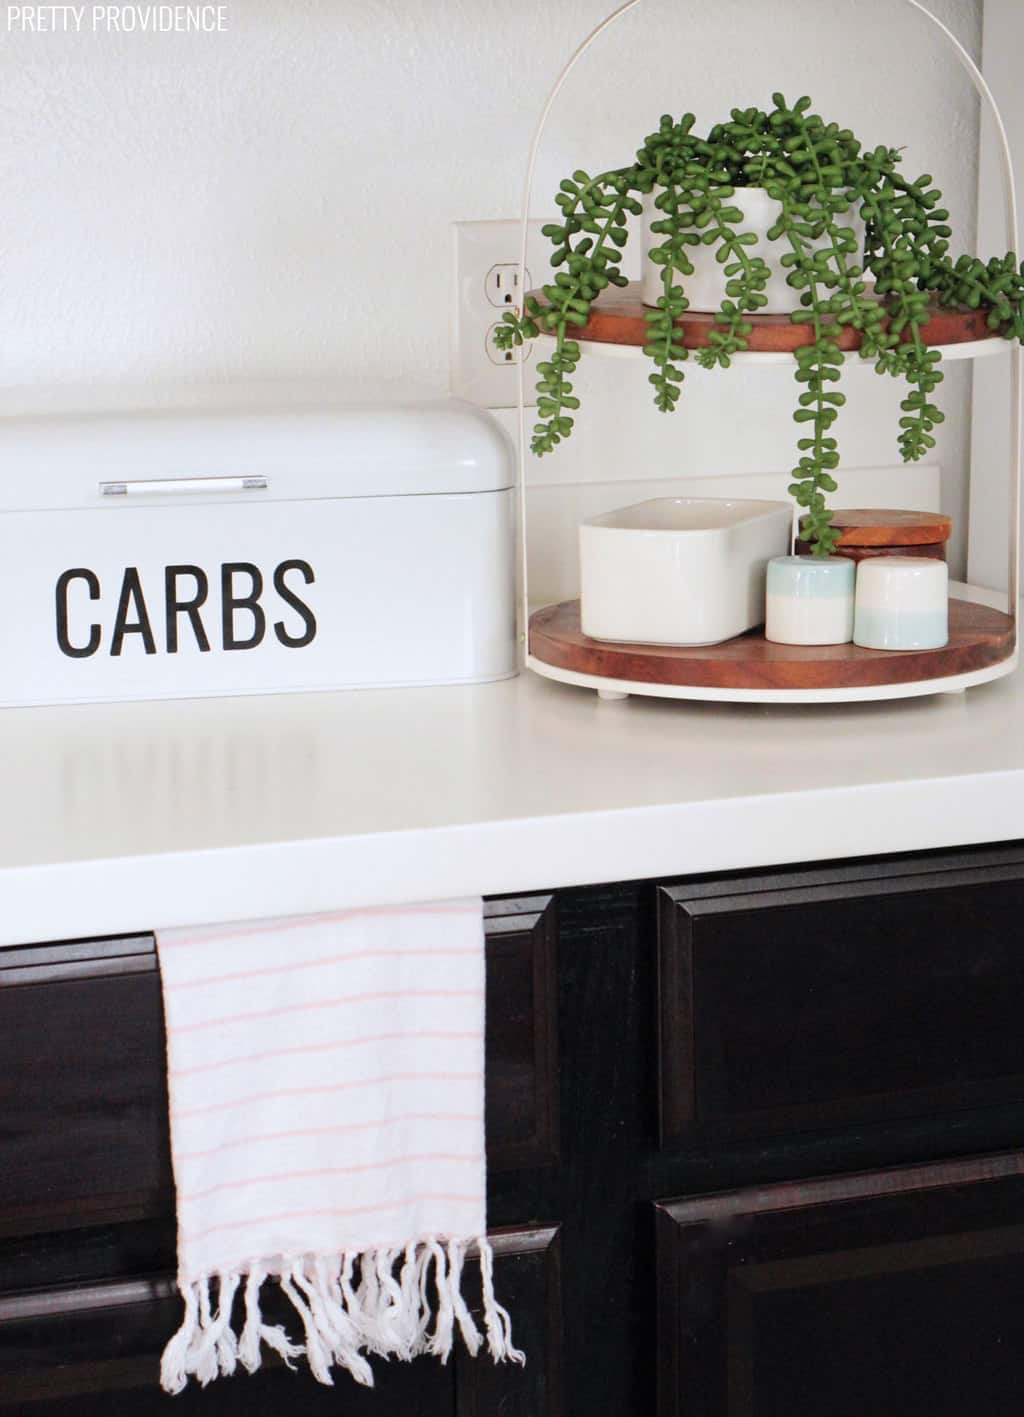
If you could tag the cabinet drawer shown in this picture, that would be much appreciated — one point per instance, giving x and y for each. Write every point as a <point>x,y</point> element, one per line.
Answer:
<point>83,1099</point>
<point>813,999</point>
<point>87,1350</point>
<point>896,1291</point>
<point>92,1352</point>
<point>83,1091</point>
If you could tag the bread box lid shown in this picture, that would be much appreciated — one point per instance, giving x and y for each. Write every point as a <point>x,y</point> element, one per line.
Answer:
<point>275,454</point>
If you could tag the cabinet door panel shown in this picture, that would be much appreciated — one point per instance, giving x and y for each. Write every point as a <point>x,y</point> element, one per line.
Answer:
<point>522,1048</point>
<point>791,1002</point>
<point>894,1292</point>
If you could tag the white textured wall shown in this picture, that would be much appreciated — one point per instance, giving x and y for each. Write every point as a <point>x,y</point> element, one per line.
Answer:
<point>274,201</point>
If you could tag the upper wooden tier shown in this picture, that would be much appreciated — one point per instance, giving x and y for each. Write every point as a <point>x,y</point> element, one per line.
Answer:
<point>617,317</point>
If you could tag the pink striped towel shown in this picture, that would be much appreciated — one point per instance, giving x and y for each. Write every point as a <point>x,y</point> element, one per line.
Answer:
<point>326,1084</point>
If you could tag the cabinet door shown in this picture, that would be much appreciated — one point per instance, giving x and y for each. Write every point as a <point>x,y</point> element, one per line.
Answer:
<point>808,999</point>
<point>893,1293</point>
<point>522,1043</point>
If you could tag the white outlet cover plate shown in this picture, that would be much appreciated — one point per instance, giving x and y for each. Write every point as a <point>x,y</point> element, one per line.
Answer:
<point>478,248</point>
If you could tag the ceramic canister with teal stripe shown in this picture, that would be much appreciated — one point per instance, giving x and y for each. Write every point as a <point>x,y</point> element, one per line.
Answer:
<point>810,600</point>
<point>902,603</point>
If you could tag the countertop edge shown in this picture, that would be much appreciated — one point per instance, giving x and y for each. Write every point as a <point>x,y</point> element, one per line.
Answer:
<point>127,894</point>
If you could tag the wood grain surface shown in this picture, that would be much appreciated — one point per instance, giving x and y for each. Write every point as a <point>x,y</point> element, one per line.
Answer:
<point>927,551</point>
<point>867,532</point>
<point>617,317</point>
<point>862,526</point>
<point>978,638</point>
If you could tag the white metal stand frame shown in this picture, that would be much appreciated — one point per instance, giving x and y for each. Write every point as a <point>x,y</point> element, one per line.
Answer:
<point>615,688</point>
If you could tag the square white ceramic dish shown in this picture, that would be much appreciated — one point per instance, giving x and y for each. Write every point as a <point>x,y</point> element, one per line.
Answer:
<point>679,570</point>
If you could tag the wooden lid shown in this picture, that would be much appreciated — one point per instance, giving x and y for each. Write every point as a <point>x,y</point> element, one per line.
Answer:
<point>878,527</point>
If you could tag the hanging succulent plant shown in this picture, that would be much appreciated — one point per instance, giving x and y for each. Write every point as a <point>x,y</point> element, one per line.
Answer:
<point>881,282</point>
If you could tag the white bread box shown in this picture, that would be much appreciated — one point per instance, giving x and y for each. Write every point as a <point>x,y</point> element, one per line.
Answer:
<point>163,555</point>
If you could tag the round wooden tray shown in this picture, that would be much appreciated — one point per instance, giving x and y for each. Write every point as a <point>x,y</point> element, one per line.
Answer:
<point>617,318</point>
<point>980,638</point>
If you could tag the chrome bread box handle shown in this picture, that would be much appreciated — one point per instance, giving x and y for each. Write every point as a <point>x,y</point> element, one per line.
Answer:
<point>162,486</point>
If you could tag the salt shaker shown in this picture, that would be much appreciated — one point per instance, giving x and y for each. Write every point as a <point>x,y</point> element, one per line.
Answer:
<point>902,603</point>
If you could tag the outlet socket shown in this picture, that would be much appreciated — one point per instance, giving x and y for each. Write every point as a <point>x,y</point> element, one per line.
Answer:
<point>501,285</point>
<point>519,353</point>
<point>485,282</point>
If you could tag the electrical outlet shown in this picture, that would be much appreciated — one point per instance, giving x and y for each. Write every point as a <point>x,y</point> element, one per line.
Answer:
<point>486,281</point>
<point>502,284</point>
<point>519,353</point>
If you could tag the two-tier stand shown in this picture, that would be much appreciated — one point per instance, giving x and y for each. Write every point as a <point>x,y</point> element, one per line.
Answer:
<point>983,640</point>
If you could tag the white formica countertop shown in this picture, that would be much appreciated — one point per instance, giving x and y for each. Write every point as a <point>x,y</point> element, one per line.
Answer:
<point>134,816</point>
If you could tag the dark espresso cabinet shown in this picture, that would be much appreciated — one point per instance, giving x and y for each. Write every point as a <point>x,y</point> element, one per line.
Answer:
<point>87,1234</point>
<point>898,1291</point>
<point>800,1001</point>
<point>755,1146</point>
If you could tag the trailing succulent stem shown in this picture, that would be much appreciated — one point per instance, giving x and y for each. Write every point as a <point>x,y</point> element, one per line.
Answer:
<point>822,179</point>
<point>818,365</point>
<point>665,347</point>
<point>588,244</point>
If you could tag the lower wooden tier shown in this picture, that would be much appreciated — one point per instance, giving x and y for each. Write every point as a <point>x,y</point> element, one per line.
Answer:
<point>980,638</point>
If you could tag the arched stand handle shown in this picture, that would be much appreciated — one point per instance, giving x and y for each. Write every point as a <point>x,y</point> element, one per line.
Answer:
<point>978,80</point>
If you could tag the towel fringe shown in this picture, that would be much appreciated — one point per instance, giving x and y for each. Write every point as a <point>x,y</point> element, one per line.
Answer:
<point>440,1341</point>
<point>334,1328</point>
<point>470,1333</point>
<point>222,1337</point>
<point>174,1369</point>
<point>317,1353</point>
<point>388,1311</point>
<point>496,1318</point>
<point>256,1332</point>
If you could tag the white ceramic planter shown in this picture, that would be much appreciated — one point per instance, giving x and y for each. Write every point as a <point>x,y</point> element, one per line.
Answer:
<point>705,289</point>
<point>679,570</point>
